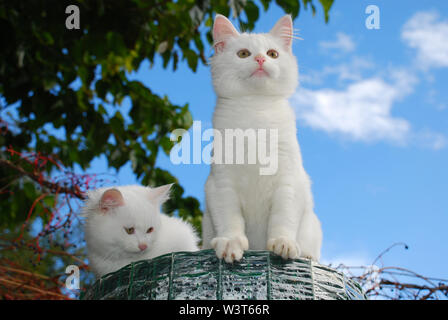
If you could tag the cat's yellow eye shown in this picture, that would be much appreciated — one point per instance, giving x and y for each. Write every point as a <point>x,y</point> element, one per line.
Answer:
<point>151,229</point>
<point>243,53</point>
<point>129,230</point>
<point>272,53</point>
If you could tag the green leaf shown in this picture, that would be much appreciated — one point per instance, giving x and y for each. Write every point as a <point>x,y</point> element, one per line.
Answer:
<point>326,4</point>
<point>290,6</point>
<point>117,124</point>
<point>252,13</point>
<point>192,59</point>
<point>101,88</point>
<point>115,43</point>
<point>265,4</point>
<point>166,144</point>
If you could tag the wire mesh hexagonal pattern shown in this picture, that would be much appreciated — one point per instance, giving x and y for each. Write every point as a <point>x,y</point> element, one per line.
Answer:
<point>200,275</point>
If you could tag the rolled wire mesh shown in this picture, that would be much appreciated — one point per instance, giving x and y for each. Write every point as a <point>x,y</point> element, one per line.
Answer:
<point>260,275</point>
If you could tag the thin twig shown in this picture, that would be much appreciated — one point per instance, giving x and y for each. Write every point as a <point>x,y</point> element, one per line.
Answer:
<point>52,187</point>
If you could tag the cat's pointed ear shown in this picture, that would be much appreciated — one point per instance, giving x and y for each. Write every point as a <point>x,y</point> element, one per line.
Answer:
<point>223,29</point>
<point>110,199</point>
<point>160,194</point>
<point>283,30</point>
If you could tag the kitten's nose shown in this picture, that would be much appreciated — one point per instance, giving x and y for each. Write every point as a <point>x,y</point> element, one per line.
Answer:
<point>142,246</point>
<point>260,59</point>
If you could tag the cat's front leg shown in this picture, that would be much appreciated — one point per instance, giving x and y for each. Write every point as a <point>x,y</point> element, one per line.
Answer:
<point>283,223</point>
<point>224,208</point>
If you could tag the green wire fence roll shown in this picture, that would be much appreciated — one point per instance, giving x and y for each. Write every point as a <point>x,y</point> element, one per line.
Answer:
<point>199,275</point>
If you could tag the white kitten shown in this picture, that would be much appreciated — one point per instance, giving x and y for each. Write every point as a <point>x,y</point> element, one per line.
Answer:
<point>253,76</point>
<point>124,224</point>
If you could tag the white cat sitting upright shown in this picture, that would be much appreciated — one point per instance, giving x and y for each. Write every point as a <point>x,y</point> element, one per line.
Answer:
<point>253,77</point>
<point>124,224</point>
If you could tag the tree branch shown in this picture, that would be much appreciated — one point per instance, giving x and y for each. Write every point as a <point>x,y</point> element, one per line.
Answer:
<point>51,186</point>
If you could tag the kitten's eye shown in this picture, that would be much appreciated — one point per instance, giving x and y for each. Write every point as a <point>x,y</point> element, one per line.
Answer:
<point>129,230</point>
<point>243,53</point>
<point>272,53</point>
<point>150,230</point>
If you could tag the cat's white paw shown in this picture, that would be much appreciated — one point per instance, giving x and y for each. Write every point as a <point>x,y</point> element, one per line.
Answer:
<point>230,249</point>
<point>284,247</point>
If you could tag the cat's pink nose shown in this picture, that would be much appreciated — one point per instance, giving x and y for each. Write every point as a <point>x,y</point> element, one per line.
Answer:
<point>260,59</point>
<point>142,246</point>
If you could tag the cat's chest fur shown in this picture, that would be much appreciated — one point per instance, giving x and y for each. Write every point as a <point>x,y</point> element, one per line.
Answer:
<point>247,113</point>
<point>254,190</point>
<point>265,123</point>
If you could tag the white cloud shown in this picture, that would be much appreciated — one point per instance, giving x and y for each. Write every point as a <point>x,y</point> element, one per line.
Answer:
<point>348,71</point>
<point>360,108</point>
<point>348,259</point>
<point>441,106</point>
<point>432,99</point>
<point>361,111</point>
<point>343,43</point>
<point>433,140</point>
<point>429,36</point>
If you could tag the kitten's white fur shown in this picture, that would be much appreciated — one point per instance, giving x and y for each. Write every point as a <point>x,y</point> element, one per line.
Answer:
<point>110,247</point>
<point>246,210</point>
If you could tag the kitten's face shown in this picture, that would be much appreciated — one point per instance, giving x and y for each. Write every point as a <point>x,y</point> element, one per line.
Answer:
<point>132,227</point>
<point>125,223</point>
<point>253,64</point>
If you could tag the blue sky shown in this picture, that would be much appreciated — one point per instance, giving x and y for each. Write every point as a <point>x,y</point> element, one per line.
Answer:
<point>372,118</point>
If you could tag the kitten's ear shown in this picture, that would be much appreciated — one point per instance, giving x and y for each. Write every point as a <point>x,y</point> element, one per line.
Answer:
<point>110,199</point>
<point>283,30</point>
<point>223,29</point>
<point>160,194</point>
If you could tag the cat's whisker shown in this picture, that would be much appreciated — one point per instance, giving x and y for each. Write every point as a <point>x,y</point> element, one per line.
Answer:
<point>290,33</point>
<point>289,29</point>
<point>292,36</point>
